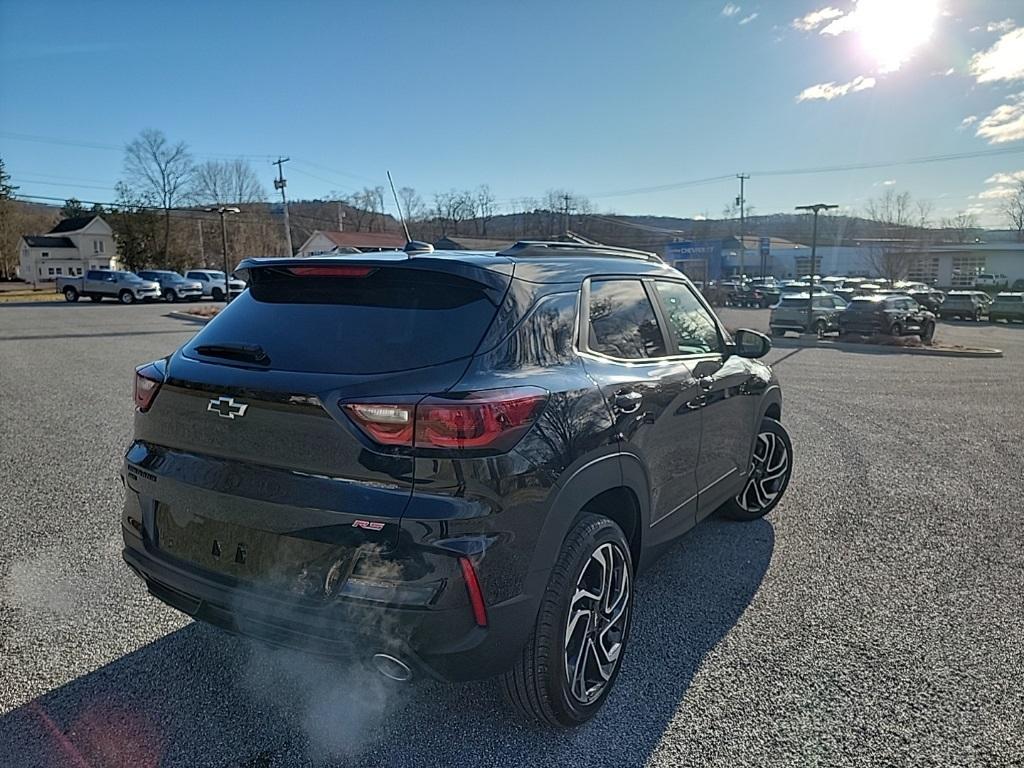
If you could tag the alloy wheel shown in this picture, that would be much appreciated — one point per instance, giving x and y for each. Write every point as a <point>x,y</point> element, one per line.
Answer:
<point>596,627</point>
<point>768,473</point>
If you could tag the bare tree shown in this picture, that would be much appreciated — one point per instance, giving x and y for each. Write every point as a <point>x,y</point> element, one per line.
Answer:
<point>222,182</point>
<point>902,225</point>
<point>961,226</point>
<point>412,203</point>
<point>453,207</point>
<point>485,206</point>
<point>160,169</point>
<point>1013,209</point>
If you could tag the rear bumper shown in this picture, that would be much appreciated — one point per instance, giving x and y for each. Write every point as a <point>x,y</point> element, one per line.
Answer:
<point>441,643</point>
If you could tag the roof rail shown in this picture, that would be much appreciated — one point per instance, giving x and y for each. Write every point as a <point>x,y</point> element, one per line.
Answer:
<point>551,247</point>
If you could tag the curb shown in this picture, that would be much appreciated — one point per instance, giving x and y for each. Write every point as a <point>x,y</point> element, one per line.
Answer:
<point>882,349</point>
<point>189,318</point>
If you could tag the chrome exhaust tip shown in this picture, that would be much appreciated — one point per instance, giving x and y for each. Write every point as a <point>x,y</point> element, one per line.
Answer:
<point>392,668</point>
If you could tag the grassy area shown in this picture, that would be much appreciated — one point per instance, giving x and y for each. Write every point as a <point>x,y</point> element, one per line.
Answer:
<point>30,295</point>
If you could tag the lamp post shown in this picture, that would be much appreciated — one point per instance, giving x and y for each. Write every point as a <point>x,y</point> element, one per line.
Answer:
<point>817,208</point>
<point>224,241</point>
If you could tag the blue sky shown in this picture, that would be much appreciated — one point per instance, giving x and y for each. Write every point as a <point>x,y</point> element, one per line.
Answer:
<point>599,97</point>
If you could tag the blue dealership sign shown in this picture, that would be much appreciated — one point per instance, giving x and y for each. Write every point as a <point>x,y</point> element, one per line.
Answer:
<point>709,251</point>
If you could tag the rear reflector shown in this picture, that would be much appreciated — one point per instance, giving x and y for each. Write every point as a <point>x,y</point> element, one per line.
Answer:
<point>476,597</point>
<point>492,420</point>
<point>338,271</point>
<point>148,379</point>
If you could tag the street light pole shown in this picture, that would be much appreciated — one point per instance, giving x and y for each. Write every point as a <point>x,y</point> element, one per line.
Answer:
<point>224,242</point>
<point>817,208</point>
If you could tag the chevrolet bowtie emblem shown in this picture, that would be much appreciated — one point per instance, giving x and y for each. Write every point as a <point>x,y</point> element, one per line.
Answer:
<point>227,408</point>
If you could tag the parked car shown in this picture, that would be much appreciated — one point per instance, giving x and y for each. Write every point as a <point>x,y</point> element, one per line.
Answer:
<point>1018,285</point>
<point>846,294</point>
<point>748,295</point>
<point>990,280</point>
<point>468,487</point>
<point>97,284</point>
<point>790,314</point>
<point>769,290</point>
<point>963,305</point>
<point>889,315</point>
<point>1008,307</point>
<point>212,281</point>
<point>930,300</point>
<point>173,286</point>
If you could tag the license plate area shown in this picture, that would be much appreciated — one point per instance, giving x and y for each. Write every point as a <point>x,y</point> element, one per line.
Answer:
<point>266,559</point>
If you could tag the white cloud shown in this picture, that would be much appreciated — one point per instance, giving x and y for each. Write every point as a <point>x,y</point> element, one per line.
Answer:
<point>748,19</point>
<point>840,25</point>
<point>730,9</point>
<point>1014,177</point>
<point>1003,61</point>
<point>815,19</point>
<point>1000,26</point>
<point>996,193</point>
<point>888,182</point>
<point>1005,122</point>
<point>832,90</point>
<point>967,122</point>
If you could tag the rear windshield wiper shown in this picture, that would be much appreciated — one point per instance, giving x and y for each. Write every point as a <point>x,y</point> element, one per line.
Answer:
<point>252,352</point>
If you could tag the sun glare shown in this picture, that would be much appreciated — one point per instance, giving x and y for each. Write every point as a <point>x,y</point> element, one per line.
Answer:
<point>892,30</point>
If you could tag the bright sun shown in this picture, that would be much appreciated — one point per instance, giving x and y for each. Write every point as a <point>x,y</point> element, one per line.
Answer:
<point>891,30</point>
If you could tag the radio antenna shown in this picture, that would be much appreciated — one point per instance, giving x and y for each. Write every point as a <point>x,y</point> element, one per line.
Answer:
<point>398,205</point>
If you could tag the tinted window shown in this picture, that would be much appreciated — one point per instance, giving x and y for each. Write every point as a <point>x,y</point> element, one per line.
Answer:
<point>622,321</point>
<point>389,320</point>
<point>792,302</point>
<point>690,326</point>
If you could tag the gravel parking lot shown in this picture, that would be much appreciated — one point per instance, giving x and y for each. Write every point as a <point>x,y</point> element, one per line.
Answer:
<point>874,619</point>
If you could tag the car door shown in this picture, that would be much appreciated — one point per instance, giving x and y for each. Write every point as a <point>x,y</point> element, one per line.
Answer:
<point>725,382</point>
<point>653,398</point>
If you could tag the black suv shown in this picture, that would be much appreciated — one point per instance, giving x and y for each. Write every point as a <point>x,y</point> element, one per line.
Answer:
<point>891,315</point>
<point>452,463</point>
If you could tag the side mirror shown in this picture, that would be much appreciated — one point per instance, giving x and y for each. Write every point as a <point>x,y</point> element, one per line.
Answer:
<point>750,344</point>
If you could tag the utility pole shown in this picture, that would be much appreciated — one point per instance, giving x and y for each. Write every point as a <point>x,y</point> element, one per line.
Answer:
<point>202,250</point>
<point>341,218</point>
<point>565,213</point>
<point>817,208</point>
<point>741,201</point>
<point>224,243</point>
<point>281,183</point>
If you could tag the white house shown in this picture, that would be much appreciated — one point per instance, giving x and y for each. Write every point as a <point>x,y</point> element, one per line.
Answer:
<point>326,241</point>
<point>70,248</point>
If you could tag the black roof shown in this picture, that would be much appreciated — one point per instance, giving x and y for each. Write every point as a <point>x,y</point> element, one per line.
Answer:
<point>42,241</point>
<point>73,224</point>
<point>534,262</point>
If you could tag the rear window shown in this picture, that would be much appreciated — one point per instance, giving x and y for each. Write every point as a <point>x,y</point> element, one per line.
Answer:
<point>388,320</point>
<point>1010,299</point>
<point>791,302</point>
<point>863,305</point>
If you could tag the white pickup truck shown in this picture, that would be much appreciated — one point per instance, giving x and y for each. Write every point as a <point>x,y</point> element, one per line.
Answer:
<point>97,284</point>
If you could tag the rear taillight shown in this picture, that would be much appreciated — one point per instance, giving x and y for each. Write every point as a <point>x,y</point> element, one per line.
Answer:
<point>493,420</point>
<point>476,595</point>
<point>148,379</point>
<point>346,270</point>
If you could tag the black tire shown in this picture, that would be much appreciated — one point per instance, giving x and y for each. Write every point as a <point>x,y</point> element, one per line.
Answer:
<point>895,330</point>
<point>537,685</point>
<point>927,332</point>
<point>733,509</point>
<point>70,294</point>
<point>170,296</point>
<point>126,297</point>
<point>95,299</point>
<point>778,332</point>
<point>820,327</point>
<point>217,294</point>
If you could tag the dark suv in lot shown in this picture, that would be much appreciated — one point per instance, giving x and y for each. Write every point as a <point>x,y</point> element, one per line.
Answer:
<point>891,315</point>
<point>452,463</point>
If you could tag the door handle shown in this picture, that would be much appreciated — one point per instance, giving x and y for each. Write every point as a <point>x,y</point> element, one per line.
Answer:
<point>627,401</point>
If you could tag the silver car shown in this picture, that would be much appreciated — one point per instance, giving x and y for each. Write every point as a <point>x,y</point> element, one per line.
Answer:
<point>173,286</point>
<point>790,314</point>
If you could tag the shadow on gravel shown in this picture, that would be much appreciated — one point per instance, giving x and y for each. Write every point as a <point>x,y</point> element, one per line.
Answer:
<point>199,697</point>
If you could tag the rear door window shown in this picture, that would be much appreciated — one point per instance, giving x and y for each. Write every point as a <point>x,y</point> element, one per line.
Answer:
<point>622,321</point>
<point>388,319</point>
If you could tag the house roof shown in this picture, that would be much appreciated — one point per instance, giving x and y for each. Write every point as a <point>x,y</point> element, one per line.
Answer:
<point>73,224</point>
<point>364,239</point>
<point>42,241</point>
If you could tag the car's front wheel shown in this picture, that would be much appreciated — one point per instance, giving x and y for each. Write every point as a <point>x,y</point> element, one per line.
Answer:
<point>126,297</point>
<point>569,665</point>
<point>771,465</point>
<point>928,332</point>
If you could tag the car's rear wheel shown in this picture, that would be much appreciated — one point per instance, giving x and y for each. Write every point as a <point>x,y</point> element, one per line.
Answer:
<point>778,331</point>
<point>569,665</point>
<point>126,297</point>
<point>70,294</point>
<point>771,465</point>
